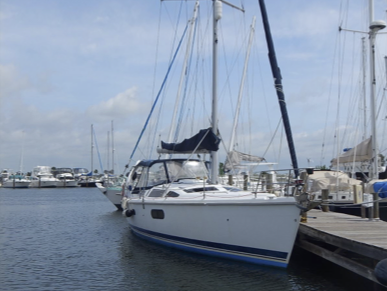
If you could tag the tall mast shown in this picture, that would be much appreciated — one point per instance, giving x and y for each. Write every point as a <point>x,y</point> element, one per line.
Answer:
<point>278,86</point>
<point>108,151</point>
<point>214,156</point>
<point>364,89</point>
<point>92,147</point>
<point>375,26</point>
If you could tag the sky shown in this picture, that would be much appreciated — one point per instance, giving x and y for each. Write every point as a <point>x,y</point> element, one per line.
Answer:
<point>68,65</point>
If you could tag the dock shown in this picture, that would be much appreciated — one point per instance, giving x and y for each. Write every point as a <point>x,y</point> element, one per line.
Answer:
<point>354,243</point>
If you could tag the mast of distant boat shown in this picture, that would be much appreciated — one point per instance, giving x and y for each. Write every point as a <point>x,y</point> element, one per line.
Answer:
<point>232,139</point>
<point>22,155</point>
<point>92,148</point>
<point>113,149</point>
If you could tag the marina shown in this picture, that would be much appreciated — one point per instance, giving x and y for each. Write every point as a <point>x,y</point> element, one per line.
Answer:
<point>180,207</point>
<point>75,239</point>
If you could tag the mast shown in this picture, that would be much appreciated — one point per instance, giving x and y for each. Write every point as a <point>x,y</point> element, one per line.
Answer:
<point>113,150</point>
<point>278,86</point>
<point>232,139</point>
<point>92,146</point>
<point>364,89</point>
<point>214,156</point>
<point>375,26</point>
<point>108,151</point>
<point>217,10</point>
<point>22,155</point>
<point>172,130</point>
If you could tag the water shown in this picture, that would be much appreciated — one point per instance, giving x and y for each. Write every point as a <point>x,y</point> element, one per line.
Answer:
<point>74,239</point>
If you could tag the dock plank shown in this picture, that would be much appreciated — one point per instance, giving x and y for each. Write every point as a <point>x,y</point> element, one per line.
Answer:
<point>351,242</point>
<point>373,233</point>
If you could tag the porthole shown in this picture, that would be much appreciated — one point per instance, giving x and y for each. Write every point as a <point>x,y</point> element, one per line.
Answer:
<point>157,214</point>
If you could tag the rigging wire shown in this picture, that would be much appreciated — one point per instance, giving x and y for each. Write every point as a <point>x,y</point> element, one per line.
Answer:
<point>152,133</point>
<point>183,102</point>
<point>157,98</point>
<point>335,56</point>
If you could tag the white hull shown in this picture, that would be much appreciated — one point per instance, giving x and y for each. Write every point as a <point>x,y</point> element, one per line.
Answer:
<point>43,184</point>
<point>114,194</point>
<point>16,184</point>
<point>71,183</point>
<point>43,178</point>
<point>261,232</point>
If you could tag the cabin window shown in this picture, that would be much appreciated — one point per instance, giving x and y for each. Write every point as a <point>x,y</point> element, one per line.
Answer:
<point>172,194</point>
<point>157,175</point>
<point>156,193</point>
<point>186,170</point>
<point>157,214</point>
<point>232,189</point>
<point>138,179</point>
<point>196,169</point>
<point>201,189</point>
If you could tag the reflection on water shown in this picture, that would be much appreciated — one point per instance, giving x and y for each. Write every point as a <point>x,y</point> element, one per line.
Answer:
<point>74,239</point>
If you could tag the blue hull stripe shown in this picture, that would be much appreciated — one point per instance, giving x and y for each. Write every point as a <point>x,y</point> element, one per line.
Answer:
<point>246,254</point>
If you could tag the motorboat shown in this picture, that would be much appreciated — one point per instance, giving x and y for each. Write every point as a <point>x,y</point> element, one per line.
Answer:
<point>42,177</point>
<point>15,181</point>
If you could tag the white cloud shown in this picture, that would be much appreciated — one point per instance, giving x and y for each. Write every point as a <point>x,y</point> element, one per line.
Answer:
<point>120,106</point>
<point>61,70</point>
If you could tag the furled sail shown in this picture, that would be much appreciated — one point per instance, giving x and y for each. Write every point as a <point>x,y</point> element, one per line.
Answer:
<point>360,153</point>
<point>203,142</point>
<point>234,159</point>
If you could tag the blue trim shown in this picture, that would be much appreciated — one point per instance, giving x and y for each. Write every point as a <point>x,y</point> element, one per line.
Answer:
<point>245,254</point>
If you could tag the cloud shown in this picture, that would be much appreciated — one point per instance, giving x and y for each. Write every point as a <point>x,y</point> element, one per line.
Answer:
<point>120,106</point>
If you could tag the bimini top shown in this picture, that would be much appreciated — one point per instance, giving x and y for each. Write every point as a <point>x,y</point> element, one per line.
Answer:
<point>203,142</point>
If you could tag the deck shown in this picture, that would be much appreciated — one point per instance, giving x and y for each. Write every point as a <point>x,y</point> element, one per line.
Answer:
<point>351,242</point>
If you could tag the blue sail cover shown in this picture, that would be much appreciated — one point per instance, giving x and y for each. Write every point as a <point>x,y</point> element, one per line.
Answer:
<point>205,140</point>
<point>381,189</point>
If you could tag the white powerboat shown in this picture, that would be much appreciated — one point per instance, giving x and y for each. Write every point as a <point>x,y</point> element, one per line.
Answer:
<point>43,178</point>
<point>15,181</point>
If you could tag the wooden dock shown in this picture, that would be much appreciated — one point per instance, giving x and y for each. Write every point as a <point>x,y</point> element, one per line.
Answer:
<point>351,242</point>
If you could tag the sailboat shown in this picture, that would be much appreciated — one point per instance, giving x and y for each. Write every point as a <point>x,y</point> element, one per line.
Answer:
<point>111,185</point>
<point>178,202</point>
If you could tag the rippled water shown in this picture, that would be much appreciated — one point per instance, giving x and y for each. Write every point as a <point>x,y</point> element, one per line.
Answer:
<point>74,239</point>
